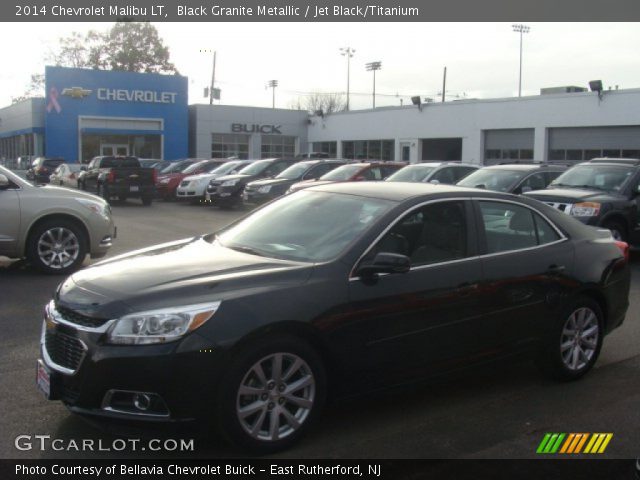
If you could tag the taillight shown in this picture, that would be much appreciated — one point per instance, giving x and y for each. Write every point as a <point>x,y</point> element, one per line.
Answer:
<point>624,248</point>
<point>111,177</point>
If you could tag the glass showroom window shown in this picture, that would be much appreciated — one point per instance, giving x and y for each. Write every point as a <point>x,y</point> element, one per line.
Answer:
<point>225,145</point>
<point>326,147</point>
<point>368,149</point>
<point>278,146</point>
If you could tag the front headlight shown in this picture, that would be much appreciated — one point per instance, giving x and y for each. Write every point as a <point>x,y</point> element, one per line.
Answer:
<point>229,183</point>
<point>585,209</point>
<point>265,189</point>
<point>160,326</point>
<point>101,208</point>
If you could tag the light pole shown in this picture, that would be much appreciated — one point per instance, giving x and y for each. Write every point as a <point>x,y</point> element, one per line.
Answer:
<point>521,29</point>
<point>372,67</point>
<point>273,84</point>
<point>348,52</point>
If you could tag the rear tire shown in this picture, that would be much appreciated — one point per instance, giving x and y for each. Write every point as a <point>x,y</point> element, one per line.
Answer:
<point>573,345</point>
<point>273,391</point>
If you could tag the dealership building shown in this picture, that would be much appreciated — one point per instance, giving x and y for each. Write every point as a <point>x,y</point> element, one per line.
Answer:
<point>91,112</point>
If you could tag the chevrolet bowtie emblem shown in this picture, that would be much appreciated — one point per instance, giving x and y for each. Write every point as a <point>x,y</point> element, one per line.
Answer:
<point>76,92</point>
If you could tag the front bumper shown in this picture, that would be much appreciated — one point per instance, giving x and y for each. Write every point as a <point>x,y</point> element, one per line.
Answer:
<point>102,233</point>
<point>85,371</point>
<point>195,192</point>
<point>224,195</point>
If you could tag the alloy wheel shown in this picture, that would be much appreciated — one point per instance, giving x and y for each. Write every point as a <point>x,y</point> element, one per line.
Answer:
<point>579,339</point>
<point>58,248</point>
<point>275,397</point>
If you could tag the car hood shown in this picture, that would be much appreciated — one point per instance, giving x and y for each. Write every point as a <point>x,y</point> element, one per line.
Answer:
<point>272,182</point>
<point>569,195</point>
<point>170,176</point>
<point>57,192</point>
<point>176,273</point>
<point>201,176</point>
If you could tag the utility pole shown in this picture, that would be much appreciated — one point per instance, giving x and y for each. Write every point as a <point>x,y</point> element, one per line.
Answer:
<point>348,52</point>
<point>213,79</point>
<point>521,29</point>
<point>444,84</point>
<point>372,67</point>
<point>273,84</point>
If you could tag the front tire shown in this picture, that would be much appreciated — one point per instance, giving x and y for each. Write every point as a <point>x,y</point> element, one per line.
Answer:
<point>573,345</point>
<point>57,247</point>
<point>272,393</point>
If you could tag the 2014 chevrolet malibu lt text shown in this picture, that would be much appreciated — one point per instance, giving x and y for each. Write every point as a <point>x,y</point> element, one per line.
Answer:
<point>331,290</point>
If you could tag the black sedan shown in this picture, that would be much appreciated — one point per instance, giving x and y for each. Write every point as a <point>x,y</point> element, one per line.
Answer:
<point>335,289</point>
<point>262,191</point>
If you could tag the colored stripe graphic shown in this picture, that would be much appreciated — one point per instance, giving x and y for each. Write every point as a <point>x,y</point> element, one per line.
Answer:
<point>573,443</point>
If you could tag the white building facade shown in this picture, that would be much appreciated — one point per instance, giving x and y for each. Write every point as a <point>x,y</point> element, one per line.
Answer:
<point>565,127</point>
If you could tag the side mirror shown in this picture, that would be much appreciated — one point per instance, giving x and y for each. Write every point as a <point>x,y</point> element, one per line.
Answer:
<point>481,185</point>
<point>4,182</point>
<point>385,262</point>
<point>434,182</point>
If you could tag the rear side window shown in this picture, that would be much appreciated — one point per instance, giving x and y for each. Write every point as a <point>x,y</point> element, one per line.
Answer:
<point>445,175</point>
<point>510,227</point>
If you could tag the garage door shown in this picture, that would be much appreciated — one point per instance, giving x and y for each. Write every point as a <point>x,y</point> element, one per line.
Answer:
<point>577,144</point>
<point>507,145</point>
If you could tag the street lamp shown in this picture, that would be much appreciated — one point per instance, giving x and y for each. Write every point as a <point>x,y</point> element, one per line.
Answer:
<point>348,52</point>
<point>521,29</point>
<point>273,84</point>
<point>372,67</point>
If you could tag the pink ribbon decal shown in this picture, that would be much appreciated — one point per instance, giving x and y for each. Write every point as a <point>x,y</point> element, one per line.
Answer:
<point>53,100</point>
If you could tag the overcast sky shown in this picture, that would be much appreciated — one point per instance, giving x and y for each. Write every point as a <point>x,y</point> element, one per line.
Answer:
<point>481,58</point>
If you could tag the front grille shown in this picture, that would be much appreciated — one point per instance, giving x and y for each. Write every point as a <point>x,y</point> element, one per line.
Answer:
<point>64,349</point>
<point>213,187</point>
<point>79,319</point>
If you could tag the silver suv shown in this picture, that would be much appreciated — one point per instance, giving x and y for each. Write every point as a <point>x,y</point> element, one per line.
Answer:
<point>53,227</point>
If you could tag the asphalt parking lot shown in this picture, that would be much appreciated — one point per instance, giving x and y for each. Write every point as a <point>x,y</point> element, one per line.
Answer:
<point>496,413</point>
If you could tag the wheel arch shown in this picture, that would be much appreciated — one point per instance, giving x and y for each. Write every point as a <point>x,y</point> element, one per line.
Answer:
<point>56,216</point>
<point>601,300</point>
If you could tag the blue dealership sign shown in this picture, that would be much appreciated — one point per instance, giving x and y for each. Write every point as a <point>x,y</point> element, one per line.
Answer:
<point>89,110</point>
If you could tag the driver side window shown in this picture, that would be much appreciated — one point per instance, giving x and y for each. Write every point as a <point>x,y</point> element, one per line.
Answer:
<point>434,233</point>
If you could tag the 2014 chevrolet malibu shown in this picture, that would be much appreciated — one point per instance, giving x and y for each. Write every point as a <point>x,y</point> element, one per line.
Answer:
<point>332,289</point>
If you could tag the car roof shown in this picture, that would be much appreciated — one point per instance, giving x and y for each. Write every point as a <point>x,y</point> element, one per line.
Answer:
<point>524,166</point>
<point>400,191</point>
<point>610,160</point>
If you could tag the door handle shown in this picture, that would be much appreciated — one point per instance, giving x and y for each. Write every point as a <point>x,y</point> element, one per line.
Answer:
<point>555,269</point>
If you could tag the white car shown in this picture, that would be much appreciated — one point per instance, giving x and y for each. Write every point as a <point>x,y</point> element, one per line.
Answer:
<point>66,175</point>
<point>194,187</point>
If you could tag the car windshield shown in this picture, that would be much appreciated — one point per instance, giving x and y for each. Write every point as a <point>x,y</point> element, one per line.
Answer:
<point>255,167</point>
<point>176,167</point>
<point>342,173</point>
<point>226,167</point>
<point>500,180</point>
<point>412,173</point>
<point>295,171</point>
<point>305,226</point>
<point>609,178</point>
<point>195,166</point>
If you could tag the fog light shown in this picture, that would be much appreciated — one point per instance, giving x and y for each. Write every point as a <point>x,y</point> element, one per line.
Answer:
<point>142,401</point>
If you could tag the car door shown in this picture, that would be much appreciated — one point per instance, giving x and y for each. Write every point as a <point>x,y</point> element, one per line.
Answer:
<point>527,265</point>
<point>10,224</point>
<point>417,323</point>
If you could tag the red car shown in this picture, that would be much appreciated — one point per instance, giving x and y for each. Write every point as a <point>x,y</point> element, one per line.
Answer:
<point>170,177</point>
<point>353,172</point>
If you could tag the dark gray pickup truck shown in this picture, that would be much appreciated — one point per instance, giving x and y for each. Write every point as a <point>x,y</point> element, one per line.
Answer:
<point>120,177</point>
<point>603,192</point>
